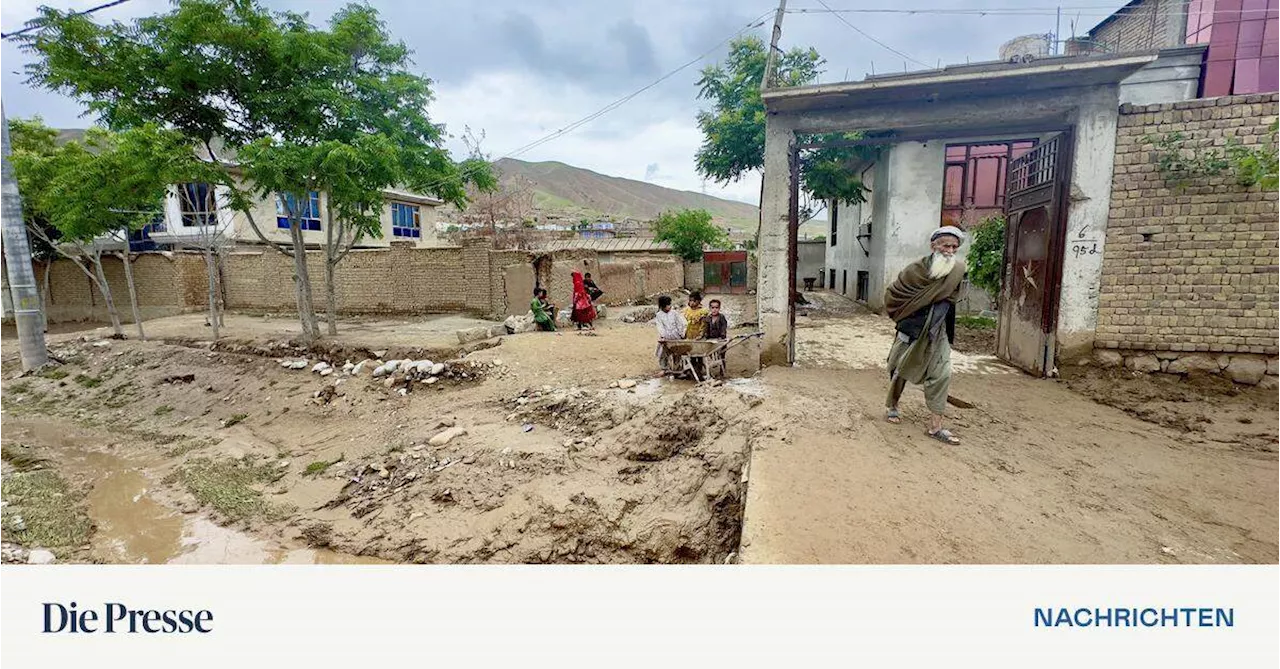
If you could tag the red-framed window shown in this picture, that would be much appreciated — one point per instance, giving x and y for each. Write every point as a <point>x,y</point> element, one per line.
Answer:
<point>974,176</point>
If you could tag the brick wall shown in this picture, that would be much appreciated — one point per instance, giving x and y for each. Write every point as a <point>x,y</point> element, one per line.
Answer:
<point>399,280</point>
<point>1194,268</point>
<point>166,284</point>
<point>1138,28</point>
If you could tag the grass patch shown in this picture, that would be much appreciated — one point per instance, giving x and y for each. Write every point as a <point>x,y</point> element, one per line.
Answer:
<point>320,466</point>
<point>88,381</point>
<point>236,419</point>
<point>228,486</point>
<point>119,397</point>
<point>20,387</point>
<point>54,373</point>
<point>42,510</point>
<point>163,410</point>
<point>189,445</point>
<point>22,458</point>
<point>976,322</point>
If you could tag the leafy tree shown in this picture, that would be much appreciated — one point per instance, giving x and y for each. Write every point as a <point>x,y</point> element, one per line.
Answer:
<point>107,185</point>
<point>734,129</point>
<point>689,231</point>
<point>290,107</point>
<point>985,259</point>
<point>33,138</point>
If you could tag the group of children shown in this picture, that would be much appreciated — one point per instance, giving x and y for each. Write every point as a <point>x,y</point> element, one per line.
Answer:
<point>693,322</point>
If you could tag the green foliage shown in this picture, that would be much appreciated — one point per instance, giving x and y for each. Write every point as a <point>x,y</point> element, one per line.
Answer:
<point>819,238</point>
<point>1180,163</point>
<point>52,511</point>
<point>108,182</point>
<point>976,322</point>
<point>733,130</point>
<point>985,259</point>
<point>337,108</point>
<point>689,231</point>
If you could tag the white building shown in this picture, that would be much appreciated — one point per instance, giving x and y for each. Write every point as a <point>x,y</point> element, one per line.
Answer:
<point>195,215</point>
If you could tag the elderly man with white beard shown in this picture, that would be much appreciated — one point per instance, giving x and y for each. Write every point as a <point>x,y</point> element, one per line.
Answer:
<point>922,303</point>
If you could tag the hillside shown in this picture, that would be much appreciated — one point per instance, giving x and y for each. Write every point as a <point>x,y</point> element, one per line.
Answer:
<point>563,188</point>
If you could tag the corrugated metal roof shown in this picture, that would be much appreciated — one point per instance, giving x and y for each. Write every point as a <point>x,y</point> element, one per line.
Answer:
<point>619,244</point>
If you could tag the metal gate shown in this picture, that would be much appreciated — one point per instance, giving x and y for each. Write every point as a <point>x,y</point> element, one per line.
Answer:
<point>724,272</point>
<point>1038,184</point>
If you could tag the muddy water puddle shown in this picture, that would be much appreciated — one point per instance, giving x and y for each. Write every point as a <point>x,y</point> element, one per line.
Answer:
<point>132,526</point>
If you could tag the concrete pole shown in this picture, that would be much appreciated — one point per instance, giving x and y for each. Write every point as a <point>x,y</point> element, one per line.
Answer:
<point>773,45</point>
<point>773,284</point>
<point>17,261</point>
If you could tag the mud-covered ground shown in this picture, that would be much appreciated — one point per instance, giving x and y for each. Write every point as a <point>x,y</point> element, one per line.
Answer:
<point>564,448</point>
<point>528,451</point>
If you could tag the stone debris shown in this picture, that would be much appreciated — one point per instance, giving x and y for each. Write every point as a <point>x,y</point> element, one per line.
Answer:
<point>519,324</point>
<point>627,383</point>
<point>320,367</point>
<point>447,436</point>
<point>298,364</point>
<point>41,556</point>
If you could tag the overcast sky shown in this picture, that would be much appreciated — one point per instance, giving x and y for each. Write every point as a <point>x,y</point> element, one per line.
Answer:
<point>519,69</point>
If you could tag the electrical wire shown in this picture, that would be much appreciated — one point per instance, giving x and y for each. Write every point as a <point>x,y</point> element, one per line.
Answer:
<point>864,33</point>
<point>36,26</point>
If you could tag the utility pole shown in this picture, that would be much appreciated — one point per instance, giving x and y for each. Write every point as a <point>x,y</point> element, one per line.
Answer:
<point>1057,29</point>
<point>773,44</point>
<point>17,260</point>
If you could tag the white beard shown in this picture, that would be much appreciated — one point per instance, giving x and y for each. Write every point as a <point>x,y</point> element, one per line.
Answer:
<point>941,265</point>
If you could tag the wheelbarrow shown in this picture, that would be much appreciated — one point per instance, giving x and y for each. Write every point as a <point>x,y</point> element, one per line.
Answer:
<point>702,358</point>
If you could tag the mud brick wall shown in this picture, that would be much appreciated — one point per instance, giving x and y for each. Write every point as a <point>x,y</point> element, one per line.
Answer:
<point>401,280</point>
<point>166,284</point>
<point>500,301</point>
<point>398,280</point>
<point>1191,268</point>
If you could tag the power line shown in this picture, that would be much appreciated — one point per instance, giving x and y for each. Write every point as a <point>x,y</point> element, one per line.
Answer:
<point>864,33</point>
<point>755,23</point>
<point>1023,11</point>
<point>34,25</point>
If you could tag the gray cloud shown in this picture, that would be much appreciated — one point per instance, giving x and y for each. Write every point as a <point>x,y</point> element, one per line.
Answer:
<point>519,70</point>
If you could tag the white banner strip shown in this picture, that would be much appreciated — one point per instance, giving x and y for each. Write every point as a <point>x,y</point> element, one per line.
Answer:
<point>334,616</point>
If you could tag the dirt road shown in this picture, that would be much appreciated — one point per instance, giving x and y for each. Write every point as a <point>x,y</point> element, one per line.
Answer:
<point>1044,474</point>
<point>155,452</point>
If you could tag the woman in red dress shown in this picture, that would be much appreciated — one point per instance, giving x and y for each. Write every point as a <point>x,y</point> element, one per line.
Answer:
<point>584,313</point>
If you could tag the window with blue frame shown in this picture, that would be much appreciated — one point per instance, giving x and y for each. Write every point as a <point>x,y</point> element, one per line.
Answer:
<point>308,212</point>
<point>406,221</point>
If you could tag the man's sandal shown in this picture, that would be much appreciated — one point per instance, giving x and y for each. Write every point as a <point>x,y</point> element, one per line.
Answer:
<point>893,416</point>
<point>945,436</point>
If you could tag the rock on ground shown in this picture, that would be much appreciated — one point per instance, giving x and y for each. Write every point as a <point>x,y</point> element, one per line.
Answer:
<point>447,436</point>
<point>41,556</point>
<point>1246,370</point>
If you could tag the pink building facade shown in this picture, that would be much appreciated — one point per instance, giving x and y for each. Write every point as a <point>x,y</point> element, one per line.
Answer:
<point>1243,41</point>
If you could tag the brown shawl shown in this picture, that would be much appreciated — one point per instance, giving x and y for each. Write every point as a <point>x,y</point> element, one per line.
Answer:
<point>914,290</point>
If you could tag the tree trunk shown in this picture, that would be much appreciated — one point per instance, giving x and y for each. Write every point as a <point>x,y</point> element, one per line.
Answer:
<point>212,270</point>
<point>46,295</point>
<point>133,293</point>
<point>331,296</point>
<point>302,278</point>
<point>330,262</point>
<point>105,289</point>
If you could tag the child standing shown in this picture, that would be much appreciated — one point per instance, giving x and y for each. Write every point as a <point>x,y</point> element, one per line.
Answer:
<point>695,316</point>
<point>671,327</point>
